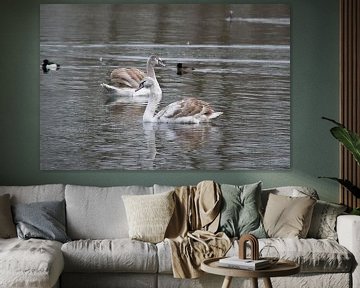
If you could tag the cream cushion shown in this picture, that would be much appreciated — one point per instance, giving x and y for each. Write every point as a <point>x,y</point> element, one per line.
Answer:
<point>148,215</point>
<point>30,263</point>
<point>288,216</point>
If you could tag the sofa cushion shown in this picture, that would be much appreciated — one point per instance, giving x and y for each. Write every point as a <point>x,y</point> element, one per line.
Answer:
<point>291,191</point>
<point>36,193</point>
<point>30,263</point>
<point>98,213</point>
<point>313,255</point>
<point>116,255</point>
<point>148,215</point>
<point>240,212</point>
<point>287,216</point>
<point>44,220</point>
<point>323,222</point>
<point>109,280</point>
<point>7,226</point>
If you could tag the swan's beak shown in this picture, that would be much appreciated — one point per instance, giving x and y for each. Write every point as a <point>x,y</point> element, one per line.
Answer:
<point>161,63</point>
<point>141,85</point>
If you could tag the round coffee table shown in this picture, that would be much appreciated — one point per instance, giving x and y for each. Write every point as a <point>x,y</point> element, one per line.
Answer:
<point>281,268</point>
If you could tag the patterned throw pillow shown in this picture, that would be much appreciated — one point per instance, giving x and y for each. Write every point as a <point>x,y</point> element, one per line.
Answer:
<point>149,215</point>
<point>323,223</point>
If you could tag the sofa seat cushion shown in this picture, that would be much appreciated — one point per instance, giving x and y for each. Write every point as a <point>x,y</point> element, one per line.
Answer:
<point>314,255</point>
<point>110,255</point>
<point>30,263</point>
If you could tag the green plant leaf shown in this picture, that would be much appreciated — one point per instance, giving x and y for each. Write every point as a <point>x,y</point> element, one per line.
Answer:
<point>349,139</point>
<point>347,184</point>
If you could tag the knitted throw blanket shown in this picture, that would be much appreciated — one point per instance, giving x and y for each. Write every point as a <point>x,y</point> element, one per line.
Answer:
<point>191,232</point>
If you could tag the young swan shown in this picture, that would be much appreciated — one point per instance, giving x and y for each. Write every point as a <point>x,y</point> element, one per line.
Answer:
<point>127,80</point>
<point>188,110</point>
<point>131,77</point>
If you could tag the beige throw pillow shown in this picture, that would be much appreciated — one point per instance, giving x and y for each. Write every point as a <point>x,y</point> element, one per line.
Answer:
<point>7,226</point>
<point>148,215</point>
<point>288,217</point>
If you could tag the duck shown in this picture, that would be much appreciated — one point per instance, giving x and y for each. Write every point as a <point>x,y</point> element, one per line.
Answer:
<point>181,69</point>
<point>47,66</point>
<point>127,80</point>
<point>189,110</point>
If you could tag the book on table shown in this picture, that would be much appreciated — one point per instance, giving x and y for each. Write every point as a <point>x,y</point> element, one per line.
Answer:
<point>249,264</point>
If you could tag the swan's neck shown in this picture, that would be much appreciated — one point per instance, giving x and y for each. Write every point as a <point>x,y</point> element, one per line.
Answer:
<point>153,102</point>
<point>150,70</point>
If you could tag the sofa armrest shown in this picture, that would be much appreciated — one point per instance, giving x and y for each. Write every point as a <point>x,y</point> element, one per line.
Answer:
<point>348,230</point>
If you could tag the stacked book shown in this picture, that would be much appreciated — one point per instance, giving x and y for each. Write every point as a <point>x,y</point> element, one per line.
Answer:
<point>248,264</point>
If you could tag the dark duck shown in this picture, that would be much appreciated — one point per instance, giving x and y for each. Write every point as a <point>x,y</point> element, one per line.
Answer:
<point>47,66</point>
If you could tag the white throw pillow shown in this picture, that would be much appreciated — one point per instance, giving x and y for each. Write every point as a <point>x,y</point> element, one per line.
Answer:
<point>149,215</point>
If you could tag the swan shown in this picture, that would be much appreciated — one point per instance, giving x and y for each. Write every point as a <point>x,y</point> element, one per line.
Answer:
<point>47,66</point>
<point>188,110</point>
<point>127,80</point>
<point>183,69</point>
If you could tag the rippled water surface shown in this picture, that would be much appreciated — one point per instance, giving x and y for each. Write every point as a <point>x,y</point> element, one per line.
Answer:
<point>242,67</point>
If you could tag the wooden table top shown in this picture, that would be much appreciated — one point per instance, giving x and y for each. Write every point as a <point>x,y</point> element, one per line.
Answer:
<point>281,268</point>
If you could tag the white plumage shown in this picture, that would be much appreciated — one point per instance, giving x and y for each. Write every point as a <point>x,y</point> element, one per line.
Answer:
<point>188,110</point>
<point>125,81</point>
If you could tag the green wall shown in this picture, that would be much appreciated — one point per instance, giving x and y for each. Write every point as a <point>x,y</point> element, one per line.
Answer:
<point>314,93</point>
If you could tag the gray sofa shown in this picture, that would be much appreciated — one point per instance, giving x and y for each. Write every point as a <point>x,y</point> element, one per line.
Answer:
<point>100,253</point>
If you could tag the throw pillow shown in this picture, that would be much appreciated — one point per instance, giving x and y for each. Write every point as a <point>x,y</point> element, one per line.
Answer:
<point>7,226</point>
<point>240,213</point>
<point>149,215</point>
<point>44,220</point>
<point>287,217</point>
<point>323,222</point>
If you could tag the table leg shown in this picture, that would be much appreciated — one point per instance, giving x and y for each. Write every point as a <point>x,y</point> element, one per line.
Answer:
<point>227,282</point>
<point>254,282</point>
<point>267,283</point>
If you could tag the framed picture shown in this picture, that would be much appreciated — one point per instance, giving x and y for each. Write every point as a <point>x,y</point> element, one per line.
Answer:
<point>231,64</point>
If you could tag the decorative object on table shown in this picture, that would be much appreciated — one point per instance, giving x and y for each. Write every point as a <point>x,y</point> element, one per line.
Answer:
<point>254,246</point>
<point>269,253</point>
<point>351,142</point>
<point>241,261</point>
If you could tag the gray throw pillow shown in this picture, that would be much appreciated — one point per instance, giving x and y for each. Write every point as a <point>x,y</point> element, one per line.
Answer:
<point>240,213</point>
<point>44,220</point>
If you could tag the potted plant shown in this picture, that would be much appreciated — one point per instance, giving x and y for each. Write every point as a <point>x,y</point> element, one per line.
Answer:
<point>351,141</point>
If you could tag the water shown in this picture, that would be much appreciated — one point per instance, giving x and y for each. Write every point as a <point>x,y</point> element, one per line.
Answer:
<point>242,67</point>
